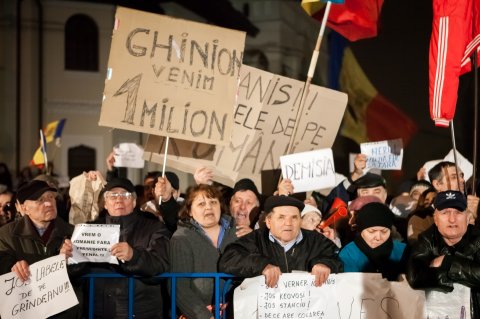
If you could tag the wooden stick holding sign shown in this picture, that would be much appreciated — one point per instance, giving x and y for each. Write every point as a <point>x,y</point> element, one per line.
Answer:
<point>164,164</point>
<point>306,86</point>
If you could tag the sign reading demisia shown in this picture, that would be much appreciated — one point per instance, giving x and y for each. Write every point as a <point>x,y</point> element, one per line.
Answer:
<point>172,77</point>
<point>264,120</point>
<point>309,170</point>
<point>47,292</point>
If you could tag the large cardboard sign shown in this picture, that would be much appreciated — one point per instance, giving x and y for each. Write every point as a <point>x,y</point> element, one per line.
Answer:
<point>347,295</point>
<point>47,292</point>
<point>93,242</point>
<point>172,77</point>
<point>309,170</point>
<point>264,121</point>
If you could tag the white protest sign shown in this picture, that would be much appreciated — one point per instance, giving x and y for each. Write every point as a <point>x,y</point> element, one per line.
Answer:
<point>309,170</point>
<point>347,295</point>
<point>47,292</point>
<point>264,119</point>
<point>385,155</point>
<point>455,304</point>
<point>92,242</point>
<point>128,155</point>
<point>172,77</point>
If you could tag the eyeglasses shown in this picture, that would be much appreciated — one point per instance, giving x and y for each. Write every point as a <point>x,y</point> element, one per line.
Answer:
<point>114,196</point>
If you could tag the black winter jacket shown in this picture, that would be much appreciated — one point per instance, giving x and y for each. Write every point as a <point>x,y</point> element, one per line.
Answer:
<point>249,255</point>
<point>461,264</point>
<point>149,240</point>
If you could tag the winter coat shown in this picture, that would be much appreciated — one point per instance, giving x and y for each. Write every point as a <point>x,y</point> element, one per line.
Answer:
<point>149,240</point>
<point>192,251</point>
<point>461,264</point>
<point>20,240</point>
<point>354,260</point>
<point>248,256</point>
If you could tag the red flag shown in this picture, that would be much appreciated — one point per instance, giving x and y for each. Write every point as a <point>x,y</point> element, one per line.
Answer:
<point>354,19</point>
<point>455,36</point>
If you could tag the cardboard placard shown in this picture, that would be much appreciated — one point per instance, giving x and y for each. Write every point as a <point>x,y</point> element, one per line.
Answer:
<point>264,119</point>
<point>172,77</point>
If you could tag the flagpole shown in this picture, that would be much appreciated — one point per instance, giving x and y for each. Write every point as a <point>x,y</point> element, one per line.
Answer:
<point>311,71</point>
<point>43,144</point>
<point>164,164</point>
<point>455,152</point>
<point>475,119</point>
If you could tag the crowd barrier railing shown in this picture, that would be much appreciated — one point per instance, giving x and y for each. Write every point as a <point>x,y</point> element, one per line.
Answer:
<point>219,296</point>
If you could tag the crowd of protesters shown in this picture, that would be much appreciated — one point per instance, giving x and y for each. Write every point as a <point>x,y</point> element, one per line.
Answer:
<point>429,232</point>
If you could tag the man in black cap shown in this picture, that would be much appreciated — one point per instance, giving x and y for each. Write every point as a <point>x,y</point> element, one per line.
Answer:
<point>281,247</point>
<point>38,235</point>
<point>245,198</point>
<point>39,232</point>
<point>142,250</point>
<point>449,251</point>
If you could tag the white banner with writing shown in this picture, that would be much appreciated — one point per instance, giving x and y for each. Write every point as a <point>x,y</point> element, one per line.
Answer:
<point>385,155</point>
<point>347,295</point>
<point>309,170</point>
<point>47,292</point>
<point>93,242</point>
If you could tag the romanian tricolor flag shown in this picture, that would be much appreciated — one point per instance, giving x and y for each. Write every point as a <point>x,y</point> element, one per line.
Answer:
<point>52,132</point>
<point>369,115</point>
<point>354,19</point>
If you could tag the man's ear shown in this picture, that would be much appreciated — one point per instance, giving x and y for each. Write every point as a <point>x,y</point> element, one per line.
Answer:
<point>436,184</point>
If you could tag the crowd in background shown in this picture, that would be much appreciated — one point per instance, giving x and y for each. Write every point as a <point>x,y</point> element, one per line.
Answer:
<point>428,232</point>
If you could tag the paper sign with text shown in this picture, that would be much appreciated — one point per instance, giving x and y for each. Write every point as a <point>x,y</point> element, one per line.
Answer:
<point>128,155</point>
<point>384,155</point>
<point>347,295</point>
<point>172,77</point>
<point>264,120</point>
<point>93,242</point>
<point>309,170</point>
<point>47,292</point>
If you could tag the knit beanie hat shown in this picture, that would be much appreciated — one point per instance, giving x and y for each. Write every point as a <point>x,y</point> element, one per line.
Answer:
<point>374,215</point>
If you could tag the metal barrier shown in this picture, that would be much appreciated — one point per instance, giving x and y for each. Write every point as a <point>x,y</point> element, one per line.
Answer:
<point>219,298</point>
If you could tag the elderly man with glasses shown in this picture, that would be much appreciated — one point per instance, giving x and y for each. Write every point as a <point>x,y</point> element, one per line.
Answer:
<point>142,251</point>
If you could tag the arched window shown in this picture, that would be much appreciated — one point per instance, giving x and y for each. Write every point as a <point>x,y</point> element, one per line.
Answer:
<point>81,43</point>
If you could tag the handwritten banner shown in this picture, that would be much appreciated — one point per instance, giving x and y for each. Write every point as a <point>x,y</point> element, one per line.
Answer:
<point>264,120</point>
<point>347,295</point>
<point>172,77</point>
<point>47,292</point>
<point>385,155</point>
<point>309,170</point>
<point>93,242</point>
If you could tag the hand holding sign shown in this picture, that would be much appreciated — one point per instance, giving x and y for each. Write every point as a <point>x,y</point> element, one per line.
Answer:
<point>272,274</point>
<point>321,273</point>
<point>67,248</point>
<point>22,270</point>
<point>122,251</point>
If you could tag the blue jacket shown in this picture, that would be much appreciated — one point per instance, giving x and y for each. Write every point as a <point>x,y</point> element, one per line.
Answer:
<point>354,260</point>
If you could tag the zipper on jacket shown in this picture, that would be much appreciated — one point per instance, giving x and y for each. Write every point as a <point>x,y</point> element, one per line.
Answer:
<point>286,261</point>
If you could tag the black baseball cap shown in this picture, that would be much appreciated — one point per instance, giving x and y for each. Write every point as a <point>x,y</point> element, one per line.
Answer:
<point>120,182</point>
<point>33,190</point>
<point>450,199</point>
